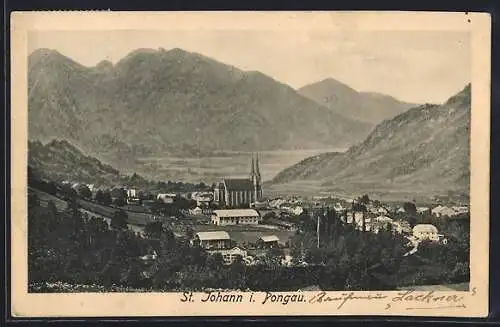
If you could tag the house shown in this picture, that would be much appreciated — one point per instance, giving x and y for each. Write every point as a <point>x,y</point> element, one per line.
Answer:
<point>166,197</point>
<point>422,210</point>
<point>235,217</point>
<point>230,255</point>
<point>338,207</point>
<point>442,211</point>
<point>383,219</point>
<point>131,193</point>
<point>355,217</point>
<point>401,210</point>
<point>402,226</point>
<point>382,211</point>
<point>461,209</point>
<point>297,211</point>
<point>196,211</point>
<point>379,223</point>
<point>149,257</point>
<point>426,232</point>
<point>258,205</point>
<point>202,198</point>
<point>269,241</point>
<point>213,240</point>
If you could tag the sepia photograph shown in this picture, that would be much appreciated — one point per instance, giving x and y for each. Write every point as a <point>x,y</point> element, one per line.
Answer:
<point>328,163</point>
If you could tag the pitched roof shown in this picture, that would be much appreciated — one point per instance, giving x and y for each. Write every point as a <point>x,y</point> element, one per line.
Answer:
<point>238,184</point>
<point>425,228</point>
<point>270,238</point>
<point>217,235</point>
<point>236,213</point>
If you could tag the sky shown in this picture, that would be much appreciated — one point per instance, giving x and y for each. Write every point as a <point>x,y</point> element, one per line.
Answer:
<point>413,66</point>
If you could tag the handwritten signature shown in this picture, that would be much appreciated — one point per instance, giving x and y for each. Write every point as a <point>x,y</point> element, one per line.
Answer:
<point>431,299</point>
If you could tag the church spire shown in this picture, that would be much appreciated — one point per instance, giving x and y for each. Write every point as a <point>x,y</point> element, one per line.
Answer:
<point>257,168</point>
<point>252,169</point>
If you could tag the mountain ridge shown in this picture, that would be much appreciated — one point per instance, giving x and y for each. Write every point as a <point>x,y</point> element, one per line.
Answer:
<point>370,107</point>
<point>173,102</point>
<point>425,148</point>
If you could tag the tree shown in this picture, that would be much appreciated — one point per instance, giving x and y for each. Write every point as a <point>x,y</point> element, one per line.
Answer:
<point>106,198</point>
<point>119,202</point>
<point>154,229</point>
<point>84,191</point>
<point>364,199</point>
<point>410,207</point>
<point>274,256</point>
<point>119,220</point>
<point>99,196</point>
<point>33,200</point>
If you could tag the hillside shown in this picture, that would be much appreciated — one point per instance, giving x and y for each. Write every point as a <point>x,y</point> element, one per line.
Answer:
<point>369,107</point>
<point>158,102</point>
<point>424,150</point>
<point>59,161</point>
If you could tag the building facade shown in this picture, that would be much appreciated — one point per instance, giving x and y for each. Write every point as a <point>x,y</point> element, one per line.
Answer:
<point>213,240</point>
<point>425,232</point>
<point>230,255</point>
<point>238,192</point>
<point>235,217</point>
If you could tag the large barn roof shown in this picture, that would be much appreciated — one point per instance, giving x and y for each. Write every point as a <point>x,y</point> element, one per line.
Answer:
<point>270,238</point>
<point>217,235</point>
<point>236,213</point>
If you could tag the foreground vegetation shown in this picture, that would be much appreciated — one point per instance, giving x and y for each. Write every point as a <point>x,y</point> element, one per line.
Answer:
<point>72,252</point>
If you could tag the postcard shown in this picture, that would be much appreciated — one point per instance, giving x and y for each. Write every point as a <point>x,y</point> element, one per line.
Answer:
<point>250,164</point>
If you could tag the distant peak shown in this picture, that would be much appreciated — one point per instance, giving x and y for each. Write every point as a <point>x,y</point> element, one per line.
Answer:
<point>329,83</point>
<point>463,95</point>
<point>103,64</point>
<point>43,53</point>
<point>177,51</point>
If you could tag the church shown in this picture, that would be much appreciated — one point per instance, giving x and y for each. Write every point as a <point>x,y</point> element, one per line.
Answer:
<point>240,192</point>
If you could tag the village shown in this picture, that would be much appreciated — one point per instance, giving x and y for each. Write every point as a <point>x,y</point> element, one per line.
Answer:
<point>235,219</point>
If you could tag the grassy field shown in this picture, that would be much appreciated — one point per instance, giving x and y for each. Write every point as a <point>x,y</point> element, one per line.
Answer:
<point>134,218</point>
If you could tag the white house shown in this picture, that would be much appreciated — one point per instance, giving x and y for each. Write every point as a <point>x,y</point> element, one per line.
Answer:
<point>202,198</point>
<point>441,211</point>
<point>196,211</point>
<point>235,217</point>
<point>214,240</point>
<point>229,255</point>
<point>297,211</point>
<point>338,207</point>
<point>426,232</point>
<point>131,193</point>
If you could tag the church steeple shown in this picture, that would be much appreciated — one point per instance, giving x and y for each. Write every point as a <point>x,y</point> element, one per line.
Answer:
<point>257,168</point>
<point>252,170</point>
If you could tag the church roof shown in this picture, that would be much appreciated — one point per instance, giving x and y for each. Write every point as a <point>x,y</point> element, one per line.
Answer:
<point>238,184</point>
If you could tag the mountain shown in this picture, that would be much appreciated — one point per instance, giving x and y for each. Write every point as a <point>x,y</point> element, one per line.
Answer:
<point>59,161</point>
<point>423,150</point>
<point>369,107</point>
<point>158,102</point>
